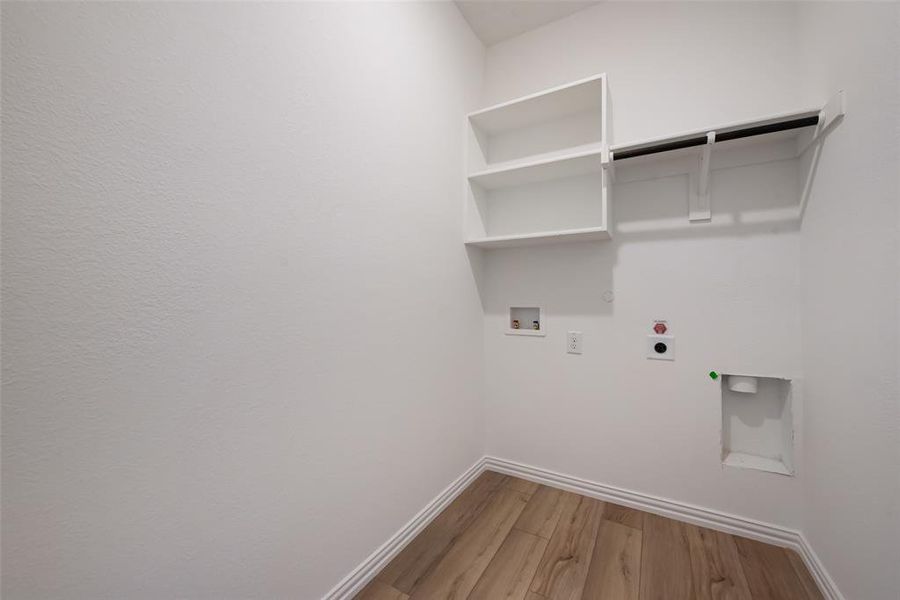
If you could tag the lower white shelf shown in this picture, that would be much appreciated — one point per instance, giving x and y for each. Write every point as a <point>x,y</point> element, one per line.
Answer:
<point>760,463</point>
<point>543,169</point>
<point>542,237</point>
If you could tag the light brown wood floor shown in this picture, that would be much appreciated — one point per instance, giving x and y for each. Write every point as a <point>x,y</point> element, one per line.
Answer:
<point>508,539</point>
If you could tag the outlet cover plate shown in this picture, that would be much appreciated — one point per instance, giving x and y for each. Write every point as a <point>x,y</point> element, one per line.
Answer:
<point>573,342</point>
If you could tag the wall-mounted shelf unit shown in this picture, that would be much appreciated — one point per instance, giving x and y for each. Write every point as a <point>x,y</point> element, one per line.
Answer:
<point>776,137</point>
<point>784,125</point>
<point>541,170</point>
<point>537,168</point>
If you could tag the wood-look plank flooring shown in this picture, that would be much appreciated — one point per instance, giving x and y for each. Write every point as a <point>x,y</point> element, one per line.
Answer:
<point>505,538</point>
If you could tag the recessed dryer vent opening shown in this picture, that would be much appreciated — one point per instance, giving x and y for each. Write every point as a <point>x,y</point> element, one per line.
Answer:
<point>757,423</point>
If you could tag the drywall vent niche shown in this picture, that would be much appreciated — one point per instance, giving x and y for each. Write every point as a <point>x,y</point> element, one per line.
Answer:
<point>757,423</point>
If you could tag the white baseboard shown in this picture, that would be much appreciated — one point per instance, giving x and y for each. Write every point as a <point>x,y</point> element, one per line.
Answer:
<point>353,583</point>
<point>826,584</point>
<point>704,517</point>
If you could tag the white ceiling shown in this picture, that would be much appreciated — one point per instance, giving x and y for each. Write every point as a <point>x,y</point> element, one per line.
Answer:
<point>497,20</point>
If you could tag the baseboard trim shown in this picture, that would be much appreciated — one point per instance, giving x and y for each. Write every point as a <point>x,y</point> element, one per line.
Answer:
<point>353,583</point>
<point>697,515</point>
<point>826,584</point>
<point>704,517</point>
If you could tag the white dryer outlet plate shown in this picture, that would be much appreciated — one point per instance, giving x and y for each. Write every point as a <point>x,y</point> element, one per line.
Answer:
<point>661,347</point>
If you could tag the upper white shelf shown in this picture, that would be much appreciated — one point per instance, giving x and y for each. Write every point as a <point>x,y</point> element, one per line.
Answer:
<point>547,105</point>
<point>734,134</point>
<point>536,170</point>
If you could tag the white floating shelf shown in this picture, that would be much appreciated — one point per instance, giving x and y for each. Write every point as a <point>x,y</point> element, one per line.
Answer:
<point>544,237</point>
<point>548,105</point>
<point>536,170</point>
<point>721,130</point>
<point>781,136</point>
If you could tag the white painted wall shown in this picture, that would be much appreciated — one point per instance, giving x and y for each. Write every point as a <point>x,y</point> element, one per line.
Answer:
<point>819,304</point>
<point>730,289</point>
<point>851,271</point>
<point>241,337</point>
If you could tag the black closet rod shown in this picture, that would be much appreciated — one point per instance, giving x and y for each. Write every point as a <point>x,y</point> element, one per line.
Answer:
<point>724,136</point>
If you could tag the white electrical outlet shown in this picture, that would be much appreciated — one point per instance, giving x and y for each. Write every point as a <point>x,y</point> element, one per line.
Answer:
<point>661,347</point>
<point>573,342</point>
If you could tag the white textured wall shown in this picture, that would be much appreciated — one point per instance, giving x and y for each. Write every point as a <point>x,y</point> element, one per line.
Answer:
<point>241,338</point>
<point>730,289</point>
<point>851,272</point>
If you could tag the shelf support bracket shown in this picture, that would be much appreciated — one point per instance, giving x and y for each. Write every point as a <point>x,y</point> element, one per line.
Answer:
<point>699,208</point>
<point>609,175</point>
<point>830,113</point>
